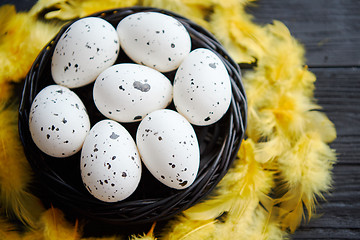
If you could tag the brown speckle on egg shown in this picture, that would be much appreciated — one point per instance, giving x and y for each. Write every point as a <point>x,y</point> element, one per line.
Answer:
<point>183,183</point>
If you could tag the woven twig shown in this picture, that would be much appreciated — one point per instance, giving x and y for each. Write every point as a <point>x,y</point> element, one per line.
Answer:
<point>58,181</point>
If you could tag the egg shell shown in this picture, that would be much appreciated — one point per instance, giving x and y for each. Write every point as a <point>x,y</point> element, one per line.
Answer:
<point>127,92</point>
<point>110,162</point>
<point>154,39</point>
<point>202,88</point>
<point>84,50</point>
<point>169,148</point>
<point>58,121</point>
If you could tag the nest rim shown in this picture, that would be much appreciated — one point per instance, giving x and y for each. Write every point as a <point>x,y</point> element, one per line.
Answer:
<point>49,184</point>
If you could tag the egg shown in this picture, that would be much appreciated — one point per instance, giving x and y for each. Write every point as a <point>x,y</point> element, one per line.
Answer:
<point>84,50</point>
<point>169,148</point>
<point>58,121</point>
<point>127,92</point>
<point>110,164</point>
<point>202,88</point>
<point>154,39</point>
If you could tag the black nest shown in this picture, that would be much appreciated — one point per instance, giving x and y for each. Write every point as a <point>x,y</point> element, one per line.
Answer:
<point>58,181</point>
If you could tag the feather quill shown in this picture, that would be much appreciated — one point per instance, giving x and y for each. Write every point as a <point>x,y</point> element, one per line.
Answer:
<point>246,180</point>
<point>148,236</point>
<point>183,228</point>
<point>238,196</point>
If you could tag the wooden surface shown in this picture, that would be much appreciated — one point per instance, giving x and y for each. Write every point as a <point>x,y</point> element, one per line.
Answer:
<point>330,32</point>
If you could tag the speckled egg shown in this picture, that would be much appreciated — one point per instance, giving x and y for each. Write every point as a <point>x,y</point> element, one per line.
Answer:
<point>154,39</point>
<point>84,50</point>
<point>110,162</point>
<point>202,88</point>
<point>58,121</point>
<point>127,92</point>
<point>169,148</point>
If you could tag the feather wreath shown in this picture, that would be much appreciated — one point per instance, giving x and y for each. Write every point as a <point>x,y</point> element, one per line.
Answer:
<point>282,168</point>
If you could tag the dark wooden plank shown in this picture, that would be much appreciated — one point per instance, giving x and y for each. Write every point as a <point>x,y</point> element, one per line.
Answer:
<point>337,91</point>
<point>321,25</point>
<point>21,5</point>
<point>330,32</point>
<point>329,29</point>
<point>339,215</point>
<point>328,233</point>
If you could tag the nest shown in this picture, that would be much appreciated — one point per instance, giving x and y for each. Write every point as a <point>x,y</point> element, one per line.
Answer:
<point>57,181</point>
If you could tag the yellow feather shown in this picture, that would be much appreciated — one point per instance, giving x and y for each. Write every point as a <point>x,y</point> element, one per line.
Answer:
<point>196,10</point>
<point>271,149</point>
<point>247,179</point>
<point>148,236</point>
<point>8,231</point>
<point>274,232</point>
<point>308,163</point>
<point>53,226</point>
<point>43,6</point>
<point>15,172</point>
<point>183,228</point>
<point>237,221</point>
<point>291,211</point>
<point>70,9</point>
<point>232,26</point>
<point>286,136</point>
<point>6,91</point>
<point>142,237</point>
<point>319,122</point>
<point>306,173</point>
<point>109,238</point>
<point>238,195</point>
<point>22,37</point>
<point>250,221</point>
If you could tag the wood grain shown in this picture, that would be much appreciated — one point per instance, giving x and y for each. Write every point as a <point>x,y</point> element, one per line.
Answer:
<point>330,32</point>
<point>339,215</point>
<point>329,29</point>
<point>337,91</point>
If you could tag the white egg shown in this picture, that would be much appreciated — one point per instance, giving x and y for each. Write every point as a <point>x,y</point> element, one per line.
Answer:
<point>84,50</point>
<point>127,92</point>
<point>202,88</point>
<point>169,148</point>
<point>154,39</point>
<point>110,162</point>
<point>58,121</point>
